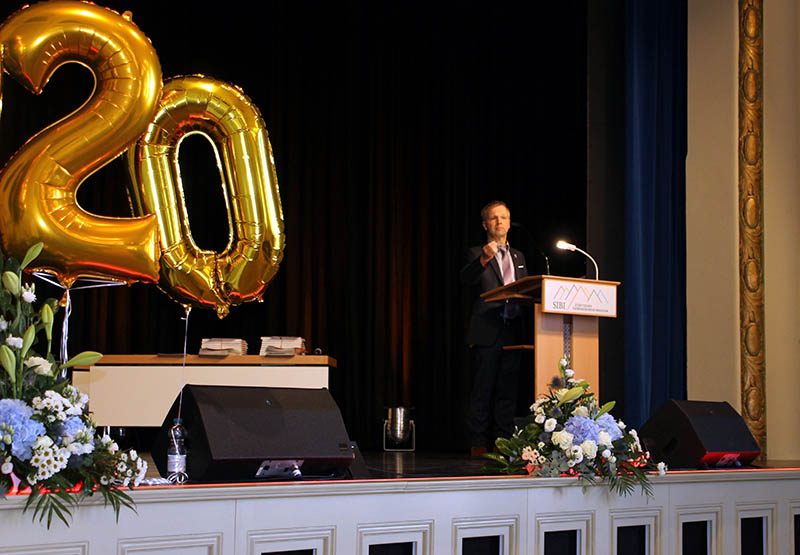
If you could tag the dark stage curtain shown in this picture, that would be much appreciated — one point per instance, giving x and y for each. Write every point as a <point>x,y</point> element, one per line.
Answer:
<point>655,234</point>
<point>392,125</point>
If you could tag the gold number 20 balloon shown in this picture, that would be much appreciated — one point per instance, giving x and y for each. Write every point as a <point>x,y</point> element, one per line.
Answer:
<point>38,185</point>
<point>224,115</point>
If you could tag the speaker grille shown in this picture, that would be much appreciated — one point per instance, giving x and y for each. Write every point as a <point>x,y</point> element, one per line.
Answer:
<point>233,430</point>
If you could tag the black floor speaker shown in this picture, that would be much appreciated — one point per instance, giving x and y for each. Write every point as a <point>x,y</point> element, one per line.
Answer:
<point>698,434</point>
<point>258,433</point>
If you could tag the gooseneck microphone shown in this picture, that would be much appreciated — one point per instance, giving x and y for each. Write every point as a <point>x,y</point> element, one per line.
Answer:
<point>563,245</point>
<point>534,244</point>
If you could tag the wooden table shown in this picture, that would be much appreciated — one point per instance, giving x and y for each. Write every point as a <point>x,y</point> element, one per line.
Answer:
<point>138,390</point>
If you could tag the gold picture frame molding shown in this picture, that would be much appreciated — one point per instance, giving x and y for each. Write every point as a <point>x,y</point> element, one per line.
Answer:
<point>751,221</point>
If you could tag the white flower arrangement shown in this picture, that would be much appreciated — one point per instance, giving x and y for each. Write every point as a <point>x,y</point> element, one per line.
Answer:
<point>570,435</point>
<point>14,342</point>
<point>39,365</point>
<point>48,443</point>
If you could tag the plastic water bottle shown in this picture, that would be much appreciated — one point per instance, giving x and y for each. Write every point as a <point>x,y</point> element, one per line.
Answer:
<point>176,453</point>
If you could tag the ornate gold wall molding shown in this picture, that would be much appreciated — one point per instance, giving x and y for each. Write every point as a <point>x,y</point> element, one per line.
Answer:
<point>751,221</point>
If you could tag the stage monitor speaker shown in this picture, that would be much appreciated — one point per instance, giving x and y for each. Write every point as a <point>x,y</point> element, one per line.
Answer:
<point>257,433</point>
<point>698,434</point>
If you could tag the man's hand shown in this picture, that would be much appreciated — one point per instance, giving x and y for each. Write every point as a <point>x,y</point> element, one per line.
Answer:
<point>489,251</point>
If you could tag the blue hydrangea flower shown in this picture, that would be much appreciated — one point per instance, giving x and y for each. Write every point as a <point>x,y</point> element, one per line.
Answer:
<point>73,425</point>
<point>607,423</point>
<point>582,428</point>
<point>15,415</point>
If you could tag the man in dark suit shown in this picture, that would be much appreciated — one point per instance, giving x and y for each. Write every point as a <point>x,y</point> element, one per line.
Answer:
<point>491,327</point>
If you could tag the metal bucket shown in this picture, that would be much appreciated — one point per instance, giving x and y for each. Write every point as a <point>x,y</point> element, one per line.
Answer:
<point>399,426</point>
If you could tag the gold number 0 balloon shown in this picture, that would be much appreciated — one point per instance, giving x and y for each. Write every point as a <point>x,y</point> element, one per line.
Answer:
<point>224,115</point>
<point>39,183</point>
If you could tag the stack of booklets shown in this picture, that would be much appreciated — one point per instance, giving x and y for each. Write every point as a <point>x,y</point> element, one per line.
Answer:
<point>216,346</point>
<point>279,345</point>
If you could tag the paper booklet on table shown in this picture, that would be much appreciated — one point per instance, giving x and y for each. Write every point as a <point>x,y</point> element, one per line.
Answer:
<point>280,345</point>
<point>217,346</point>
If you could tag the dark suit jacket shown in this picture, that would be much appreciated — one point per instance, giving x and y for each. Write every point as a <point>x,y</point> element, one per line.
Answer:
<point>486,320</point>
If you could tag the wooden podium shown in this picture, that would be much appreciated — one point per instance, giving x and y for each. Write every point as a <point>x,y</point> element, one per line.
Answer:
<point>565,321</point>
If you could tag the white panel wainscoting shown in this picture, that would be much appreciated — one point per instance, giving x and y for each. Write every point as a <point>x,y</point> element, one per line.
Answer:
<point>418,534</point>
<point>321,541</point>
<point>182,544</point>
<point>434,515</point>
<point>46,549</point>
<point>505,528</point>
<point>650,518</point>
<point>793,513</point>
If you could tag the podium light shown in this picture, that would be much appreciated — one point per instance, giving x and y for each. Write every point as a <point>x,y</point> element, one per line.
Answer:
<point>563,245</point>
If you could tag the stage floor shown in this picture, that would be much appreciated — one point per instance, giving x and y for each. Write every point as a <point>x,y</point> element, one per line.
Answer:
<point>420,465</point>
<point>404,465</point>
<point>398,465</point>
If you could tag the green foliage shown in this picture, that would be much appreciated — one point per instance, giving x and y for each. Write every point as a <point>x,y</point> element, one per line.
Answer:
<point>55,502</point>
<point>32,253</point>
<point>11,282</point>
<point>606,408</point>
<point>59,499</point>
<point>571,395</point>
<point>86,358</point>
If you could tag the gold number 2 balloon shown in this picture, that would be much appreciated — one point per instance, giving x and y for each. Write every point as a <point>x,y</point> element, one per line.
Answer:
<point>229,120</point>
<point>38,185</point>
